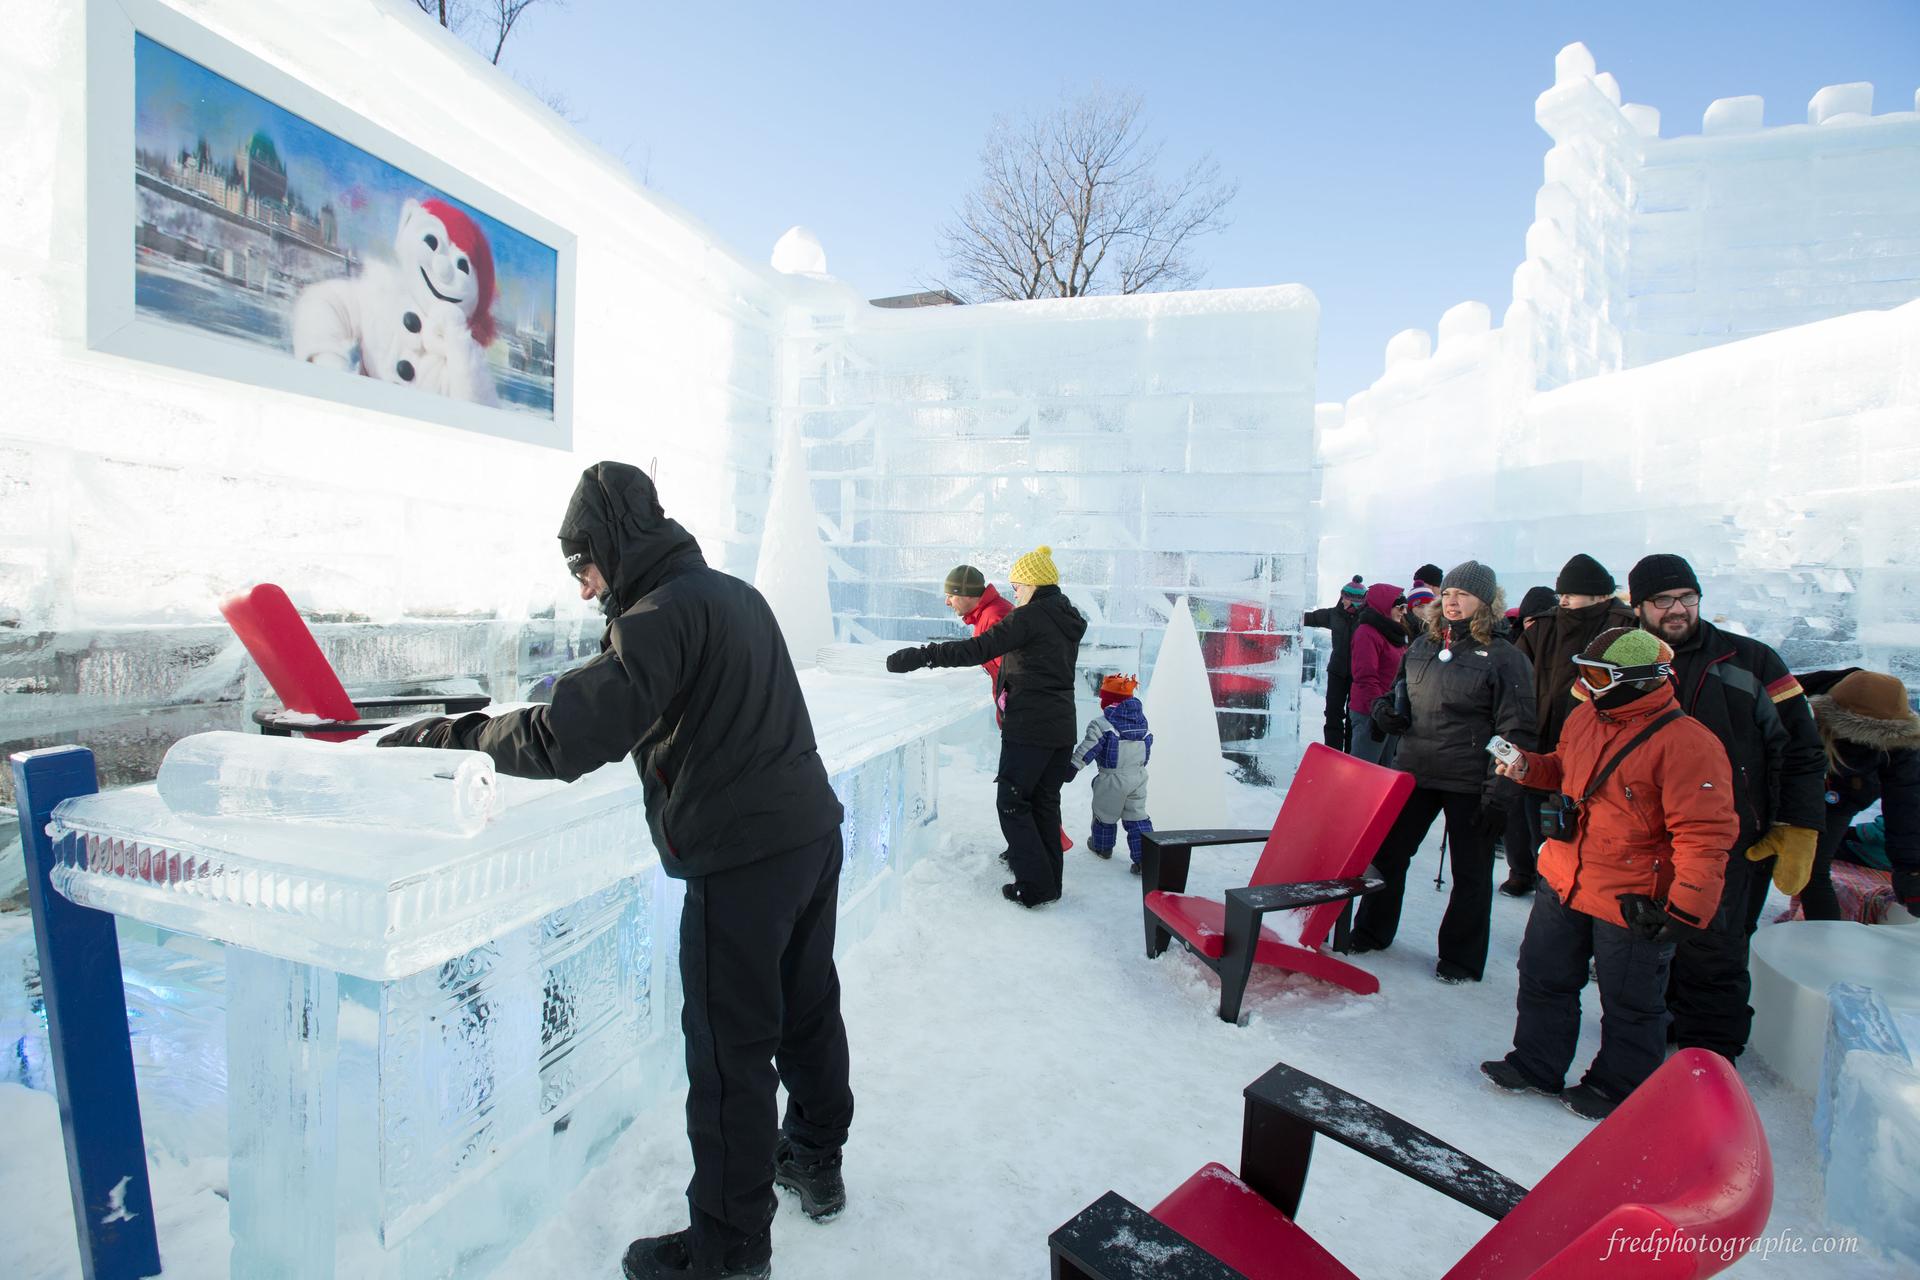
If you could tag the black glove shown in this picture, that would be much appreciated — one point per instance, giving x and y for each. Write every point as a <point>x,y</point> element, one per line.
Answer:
<point>441,732</point>
<point>1385,719</point>
<point>901,661</point>
<point>1647,919</point>
<point>1906,887</point>
<point>1491,821</point>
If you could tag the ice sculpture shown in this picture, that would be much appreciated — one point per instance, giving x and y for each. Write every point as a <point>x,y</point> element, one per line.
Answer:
<point>1867,1114</point>
<point>428,1042</point>
<point>1186,782</point>
<point>1162,444</point>
<point>256,777</point>
<point>792,572</point>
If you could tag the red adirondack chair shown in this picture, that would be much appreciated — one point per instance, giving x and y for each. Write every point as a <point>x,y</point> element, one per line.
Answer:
<point>1336,813</point>
<point>1674,1185</point>
<point>278,640</point>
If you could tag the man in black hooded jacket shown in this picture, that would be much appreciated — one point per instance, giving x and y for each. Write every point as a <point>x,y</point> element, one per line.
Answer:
<point>694,682</point>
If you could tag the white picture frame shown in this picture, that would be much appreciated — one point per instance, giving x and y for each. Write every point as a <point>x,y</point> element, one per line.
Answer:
<point>117,326</point>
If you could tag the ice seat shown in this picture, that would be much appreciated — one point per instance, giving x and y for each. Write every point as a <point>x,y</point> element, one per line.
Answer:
<point>1793,966</point>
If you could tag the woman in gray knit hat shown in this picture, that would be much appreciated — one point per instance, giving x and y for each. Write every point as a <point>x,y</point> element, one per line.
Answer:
<point>1460,684</point>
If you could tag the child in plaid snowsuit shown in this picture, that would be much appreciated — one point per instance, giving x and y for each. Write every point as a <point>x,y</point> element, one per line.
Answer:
<point>1117,741</point>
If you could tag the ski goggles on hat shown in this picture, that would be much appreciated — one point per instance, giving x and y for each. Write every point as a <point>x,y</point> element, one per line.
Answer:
<point>1599,675</point>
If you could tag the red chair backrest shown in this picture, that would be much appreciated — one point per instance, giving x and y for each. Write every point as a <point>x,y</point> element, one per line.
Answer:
<point>1337,811</point>
<point>1675,1183</point>
<point>284,649</point>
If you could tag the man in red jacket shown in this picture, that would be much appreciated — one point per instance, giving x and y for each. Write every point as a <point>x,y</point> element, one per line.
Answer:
<point>973,599</point>
<point>1640,861</point>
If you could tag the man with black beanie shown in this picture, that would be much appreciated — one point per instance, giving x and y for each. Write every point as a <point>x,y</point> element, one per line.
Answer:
<point>1740,689</point>
<point>1586,607</point>
<point>694,682</point>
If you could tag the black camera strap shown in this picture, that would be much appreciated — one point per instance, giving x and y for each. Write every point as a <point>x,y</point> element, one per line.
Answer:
<point>1606,772</point>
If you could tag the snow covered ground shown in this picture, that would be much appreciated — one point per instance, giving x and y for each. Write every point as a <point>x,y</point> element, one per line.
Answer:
<point>1012,1065</point>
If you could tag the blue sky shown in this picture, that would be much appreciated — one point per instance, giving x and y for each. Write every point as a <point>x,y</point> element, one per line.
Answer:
<point>1386,153</point>
<point>178,101</point>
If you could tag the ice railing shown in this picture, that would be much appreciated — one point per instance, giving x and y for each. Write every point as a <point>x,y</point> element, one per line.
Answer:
<point>383,904</point>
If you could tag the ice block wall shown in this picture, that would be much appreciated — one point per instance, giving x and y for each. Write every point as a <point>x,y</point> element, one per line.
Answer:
<point>1162,445</point>
<point>133,495</point>
<point>1785,467</point>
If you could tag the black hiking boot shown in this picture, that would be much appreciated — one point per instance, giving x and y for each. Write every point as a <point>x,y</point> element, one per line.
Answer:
<point>1014,893</point>
<point>1517,885</point>
<point>1588,1102</point>
<point>671,1258</point>
<point>1513,1079</point>
<point>813,1176</point>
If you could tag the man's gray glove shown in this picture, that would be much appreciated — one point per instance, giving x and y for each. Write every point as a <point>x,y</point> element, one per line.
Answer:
<point>442,732</point>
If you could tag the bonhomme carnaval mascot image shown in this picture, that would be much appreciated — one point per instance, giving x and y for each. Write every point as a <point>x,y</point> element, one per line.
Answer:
<point>424,320</point>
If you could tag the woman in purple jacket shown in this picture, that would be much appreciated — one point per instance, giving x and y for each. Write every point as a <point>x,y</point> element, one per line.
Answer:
<point>1379,642</point>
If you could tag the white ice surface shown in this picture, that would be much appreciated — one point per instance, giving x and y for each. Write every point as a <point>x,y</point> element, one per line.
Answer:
<point>792,571</point>
<point>1004,1064</point>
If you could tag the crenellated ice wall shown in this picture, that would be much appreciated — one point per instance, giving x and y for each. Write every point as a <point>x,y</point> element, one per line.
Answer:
<point>1711,350</point>
<point>1162,445</point>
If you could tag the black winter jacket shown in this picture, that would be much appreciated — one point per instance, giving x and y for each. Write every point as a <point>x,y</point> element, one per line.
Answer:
<point>1876,760</point>
<point>1455,706</point>
<point>1551,645</point>
<point>1340,620</point>
<point>1040,642</point>
<point>693,681</point>
<point>1740,689</point>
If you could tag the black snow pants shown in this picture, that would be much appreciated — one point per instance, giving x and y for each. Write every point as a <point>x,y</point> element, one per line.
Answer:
<point>1711,983</point>
<point>1028,798</point>
<point>762,1010</point>
<point>1465,926</point>
<point>1553,971</point>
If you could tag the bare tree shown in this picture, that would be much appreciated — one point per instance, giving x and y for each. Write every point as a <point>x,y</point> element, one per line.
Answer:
<point>1072,204</point>
<point>492,20</point>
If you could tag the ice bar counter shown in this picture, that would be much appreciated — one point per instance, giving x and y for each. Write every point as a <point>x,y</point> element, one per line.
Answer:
<point>431,1038</point>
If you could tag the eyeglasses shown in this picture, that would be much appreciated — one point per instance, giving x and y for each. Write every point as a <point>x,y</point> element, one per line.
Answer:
<point>1684,599</point>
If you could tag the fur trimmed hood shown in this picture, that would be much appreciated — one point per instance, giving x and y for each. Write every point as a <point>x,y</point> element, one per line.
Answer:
<point>1836,721</point>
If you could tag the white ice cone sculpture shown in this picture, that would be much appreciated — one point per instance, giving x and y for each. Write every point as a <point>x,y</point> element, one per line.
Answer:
<point>792,570</point>
<point>1186,786</point>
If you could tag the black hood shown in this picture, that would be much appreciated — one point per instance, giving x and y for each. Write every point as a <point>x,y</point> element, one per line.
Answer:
<point>616,512</point>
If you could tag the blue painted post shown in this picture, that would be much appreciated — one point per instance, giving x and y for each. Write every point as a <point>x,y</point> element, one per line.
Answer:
<point>87,1029</point>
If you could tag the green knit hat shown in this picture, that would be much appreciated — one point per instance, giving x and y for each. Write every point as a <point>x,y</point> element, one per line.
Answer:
<point>965,580</point>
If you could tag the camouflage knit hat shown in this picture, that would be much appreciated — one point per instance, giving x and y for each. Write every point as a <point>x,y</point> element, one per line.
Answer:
<point>1628,647</point>
<point>1621,657</point>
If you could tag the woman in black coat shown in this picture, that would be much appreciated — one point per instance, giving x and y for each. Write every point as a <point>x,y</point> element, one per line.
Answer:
<point>1038,645</point>
<point>1872,738</point>
<point>1460,684</point>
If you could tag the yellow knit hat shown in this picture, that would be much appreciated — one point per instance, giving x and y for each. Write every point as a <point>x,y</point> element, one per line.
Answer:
<point>1035,569</point>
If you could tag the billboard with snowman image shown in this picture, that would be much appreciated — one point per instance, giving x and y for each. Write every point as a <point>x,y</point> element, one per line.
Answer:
<point>255,226</point>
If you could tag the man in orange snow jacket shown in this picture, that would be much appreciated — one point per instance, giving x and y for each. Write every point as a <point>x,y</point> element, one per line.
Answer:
<point>1641,856</point>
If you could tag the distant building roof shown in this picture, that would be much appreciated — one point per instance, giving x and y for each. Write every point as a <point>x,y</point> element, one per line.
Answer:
<point>926,298</point>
